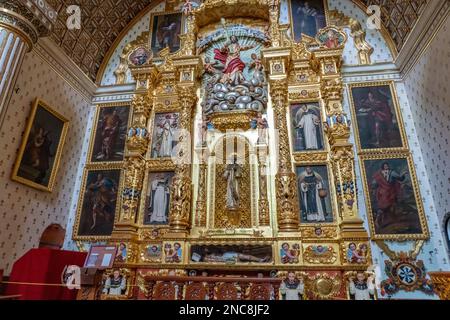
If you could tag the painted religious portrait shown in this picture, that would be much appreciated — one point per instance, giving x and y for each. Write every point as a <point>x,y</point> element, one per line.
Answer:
<point>314,194</point>
<point>289,253</point>
<point>110,134</point>
<point>376,117</point>
<point>164,135</point>
<point>40,151</point>
<point>99,203</point>
<point>307,133</point>
<point>166,29</point>
<point>231,254</point>
<point>140,56</point>
<point>393,202</point>
<point>157,202</point>
<point>173,252</point>
<point>308,17</point>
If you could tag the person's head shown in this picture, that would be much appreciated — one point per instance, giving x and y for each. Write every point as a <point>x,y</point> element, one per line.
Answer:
<point>318,231</point>
<point>370,95</point>
<point>306,4</point>
<point>385,166</point>
<point>309,170</point>
<point>233,39</point>
<point>331,34</point>
<point>363,247</point>
<point>176,245</point>
<point>154,248</point>
<point>122,246</point>
<point>260,275</point>
<point>360,276</point>
<point>254,56</point>
<point>207,60</point>
<point>285,246</point>
<point>352,246</point>
<point>116,273</point>
<point>291,276</point>
<point>99,177</point>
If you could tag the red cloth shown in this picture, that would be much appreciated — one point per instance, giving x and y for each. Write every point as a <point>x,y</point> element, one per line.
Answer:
<point>43,266</point>
<point>234,64</point>
<point>386,193</point>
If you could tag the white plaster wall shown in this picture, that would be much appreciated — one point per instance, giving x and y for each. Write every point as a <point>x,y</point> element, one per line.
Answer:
<point>24,211</point>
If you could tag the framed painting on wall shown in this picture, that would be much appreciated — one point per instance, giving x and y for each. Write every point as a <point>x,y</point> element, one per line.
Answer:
<point>376,116</point>
<point>307,17</point>
<point>110,133</point>
<point>166,29</point>
<point>314,194</point>
<point>393,201</point>
<point>98,204</point>
<point>40,152</point>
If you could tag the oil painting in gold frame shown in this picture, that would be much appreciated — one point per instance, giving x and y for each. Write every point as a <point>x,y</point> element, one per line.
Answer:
<point>377,118</point>
<point>40,152</point>
<point>98,203</point>
<point>307,17</point>
<point>166,29</point>
<point>110,132</point>
<point>394,205</point>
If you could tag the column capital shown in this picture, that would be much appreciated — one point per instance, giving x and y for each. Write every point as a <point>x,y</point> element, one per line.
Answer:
<point>30,19</point>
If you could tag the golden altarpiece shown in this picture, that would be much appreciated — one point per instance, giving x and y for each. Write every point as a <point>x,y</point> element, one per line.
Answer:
<point>235,202</point>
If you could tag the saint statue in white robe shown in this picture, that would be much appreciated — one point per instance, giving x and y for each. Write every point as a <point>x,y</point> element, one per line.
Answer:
<point>232,173</point>
<point>159,200</point>
<point>362,288</point>
<point>308,122</point>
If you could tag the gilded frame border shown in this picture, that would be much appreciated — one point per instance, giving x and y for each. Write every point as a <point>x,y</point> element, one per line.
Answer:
<point>331,190</point>
<point>98,109</point>
<point>404,148</point>
<point>51,184</point>
<point>423,223</point>
<point>87,169</point>
<point>291,23</point>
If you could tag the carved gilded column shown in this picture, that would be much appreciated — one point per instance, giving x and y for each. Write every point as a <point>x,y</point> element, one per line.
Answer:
<point>200,208</point>
<point>338,132</point>
<point>286,182</point>
<point>181,194</point>
<point>136,148</point>
<point>21,24</point>
<point>263,203</point>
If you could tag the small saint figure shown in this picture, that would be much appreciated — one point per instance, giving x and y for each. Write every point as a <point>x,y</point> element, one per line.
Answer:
<point>121,253</point>
<point>361,288</point>
<point>292,288</point>
<point>116,284</point>
<point>233,173</point>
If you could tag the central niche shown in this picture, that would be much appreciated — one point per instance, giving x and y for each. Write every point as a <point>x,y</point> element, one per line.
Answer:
<point>232,183</point>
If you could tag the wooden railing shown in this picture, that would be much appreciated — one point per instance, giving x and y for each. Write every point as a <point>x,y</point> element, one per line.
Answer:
<point>209,288</point>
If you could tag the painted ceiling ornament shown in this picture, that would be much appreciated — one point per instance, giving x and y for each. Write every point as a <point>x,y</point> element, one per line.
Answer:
<point>331,38</point>
<point>140,56</point>
<point>405,272</point>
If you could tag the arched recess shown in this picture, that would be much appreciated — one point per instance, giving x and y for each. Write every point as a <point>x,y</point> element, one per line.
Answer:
<point>224,149</point>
